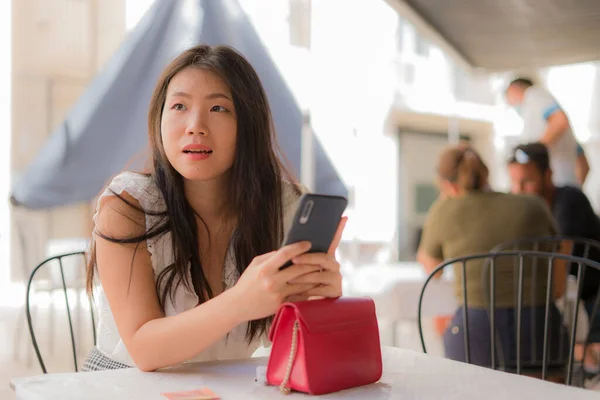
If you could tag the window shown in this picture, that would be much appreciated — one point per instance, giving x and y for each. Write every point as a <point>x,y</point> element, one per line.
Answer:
<point>299,22</point>
<point>459,81</point>
<point>407,74</point>
<point>400,35</point>
<point>470,88</point>
<point>422,46</point>
<point>425,195</point>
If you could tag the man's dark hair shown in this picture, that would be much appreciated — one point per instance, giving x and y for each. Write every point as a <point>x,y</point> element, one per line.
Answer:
<point>521,82</point>
<point>536,153</point>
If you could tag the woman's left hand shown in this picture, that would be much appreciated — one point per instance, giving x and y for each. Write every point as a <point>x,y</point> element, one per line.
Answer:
<point>328,280</point>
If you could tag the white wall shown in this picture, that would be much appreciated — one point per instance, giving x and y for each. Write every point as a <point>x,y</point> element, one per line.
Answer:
<point>58,46</point>
<point>5,126</point>
<point>353,90</point>
<point>347,81</point>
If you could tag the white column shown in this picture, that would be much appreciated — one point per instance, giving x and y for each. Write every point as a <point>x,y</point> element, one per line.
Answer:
<point>307,155</point>
<point>453,125</point>
<point>453,130</point>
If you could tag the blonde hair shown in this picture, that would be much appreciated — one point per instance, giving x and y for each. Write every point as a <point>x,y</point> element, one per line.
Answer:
<point>462,166</point>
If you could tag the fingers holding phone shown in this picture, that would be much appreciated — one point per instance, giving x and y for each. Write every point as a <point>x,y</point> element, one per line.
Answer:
<point>337,238</point>
<point>327,280</point>
<point>263,287</point>
<point>324,261</point>
<point>326,277</point>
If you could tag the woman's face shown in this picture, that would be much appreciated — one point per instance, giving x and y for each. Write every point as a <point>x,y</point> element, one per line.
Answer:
<point>199,125</point>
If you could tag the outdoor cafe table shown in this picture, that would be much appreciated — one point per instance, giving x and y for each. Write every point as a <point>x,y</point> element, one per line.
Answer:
<point>407,375</point>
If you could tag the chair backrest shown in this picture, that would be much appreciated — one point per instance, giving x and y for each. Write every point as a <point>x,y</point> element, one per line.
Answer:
<point>523,258</point>
<point>60,260</point>
<point>581,247</point>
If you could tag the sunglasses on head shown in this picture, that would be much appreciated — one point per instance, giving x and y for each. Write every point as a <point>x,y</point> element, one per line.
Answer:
<point>532,155</point>
<point>521,156</point>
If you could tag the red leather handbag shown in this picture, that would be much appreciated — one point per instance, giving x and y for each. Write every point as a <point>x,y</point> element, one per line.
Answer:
<point>323,346</point>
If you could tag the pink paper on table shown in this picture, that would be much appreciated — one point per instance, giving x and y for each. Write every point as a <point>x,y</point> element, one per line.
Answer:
<point>199,394</point>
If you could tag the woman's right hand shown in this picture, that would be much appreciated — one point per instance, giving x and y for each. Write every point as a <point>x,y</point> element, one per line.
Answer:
<point>262,288</point>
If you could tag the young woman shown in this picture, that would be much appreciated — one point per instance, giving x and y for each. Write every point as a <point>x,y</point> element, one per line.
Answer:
<point>186,255</point>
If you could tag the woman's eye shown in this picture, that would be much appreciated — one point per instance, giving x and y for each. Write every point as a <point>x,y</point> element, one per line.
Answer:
<point>218,109</point>
<point>178,107</point>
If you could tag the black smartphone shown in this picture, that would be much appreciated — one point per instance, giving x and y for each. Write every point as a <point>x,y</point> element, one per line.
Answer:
<point>316,220</point>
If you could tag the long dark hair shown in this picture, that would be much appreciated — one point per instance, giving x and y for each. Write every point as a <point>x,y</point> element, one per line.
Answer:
<point>255,183</point>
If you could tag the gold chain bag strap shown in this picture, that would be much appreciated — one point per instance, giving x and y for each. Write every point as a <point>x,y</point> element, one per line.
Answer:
<point>293,350</point>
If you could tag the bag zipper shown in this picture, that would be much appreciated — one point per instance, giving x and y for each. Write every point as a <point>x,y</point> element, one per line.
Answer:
<point>288,372</point>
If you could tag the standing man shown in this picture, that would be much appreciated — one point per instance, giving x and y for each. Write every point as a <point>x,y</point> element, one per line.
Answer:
<point>544,121</point>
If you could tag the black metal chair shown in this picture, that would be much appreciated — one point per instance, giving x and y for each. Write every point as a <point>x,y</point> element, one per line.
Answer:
<point>580,247</point>
<point>64,288</point>
<point>488,261</point>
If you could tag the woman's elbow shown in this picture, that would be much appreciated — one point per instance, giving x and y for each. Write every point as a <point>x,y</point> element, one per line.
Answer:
<point>146,368</point>
<point>144,358</point>
<point>144,363</point>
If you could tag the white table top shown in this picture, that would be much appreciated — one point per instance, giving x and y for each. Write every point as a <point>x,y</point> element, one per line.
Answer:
<point>407,375</point>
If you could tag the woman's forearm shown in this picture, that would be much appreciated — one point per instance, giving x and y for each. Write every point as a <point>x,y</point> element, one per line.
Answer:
<point>172,340</point>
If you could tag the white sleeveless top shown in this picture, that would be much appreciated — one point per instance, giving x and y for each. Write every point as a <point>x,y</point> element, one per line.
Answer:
<point>232,346</point>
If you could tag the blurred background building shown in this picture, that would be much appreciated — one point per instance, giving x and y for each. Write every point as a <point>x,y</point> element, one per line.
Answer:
<point>384,97</point>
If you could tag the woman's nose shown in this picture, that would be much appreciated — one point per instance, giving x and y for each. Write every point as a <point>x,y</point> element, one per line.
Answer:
<point>197,127</point>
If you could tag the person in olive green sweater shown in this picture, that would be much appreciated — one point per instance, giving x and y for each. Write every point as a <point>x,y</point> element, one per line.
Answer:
<point>469,218</point>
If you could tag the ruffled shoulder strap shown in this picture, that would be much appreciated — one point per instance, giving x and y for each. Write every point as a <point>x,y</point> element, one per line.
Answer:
<point>139,186</point>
